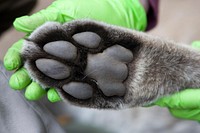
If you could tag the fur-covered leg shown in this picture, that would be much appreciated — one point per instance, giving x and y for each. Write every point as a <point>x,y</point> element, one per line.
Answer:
<point>97,65</point>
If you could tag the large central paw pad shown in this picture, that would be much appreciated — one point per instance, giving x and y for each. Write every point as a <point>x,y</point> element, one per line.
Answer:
<point>80,61</point>
<point>109,69</point>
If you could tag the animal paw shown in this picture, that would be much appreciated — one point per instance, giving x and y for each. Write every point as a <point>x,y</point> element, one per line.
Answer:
<point>97,65</point>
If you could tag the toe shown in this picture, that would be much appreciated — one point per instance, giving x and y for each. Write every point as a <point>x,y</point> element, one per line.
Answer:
<point>62,49</point>
<point>53,68</point>
<point>79,90</point>
<point>87,39</point>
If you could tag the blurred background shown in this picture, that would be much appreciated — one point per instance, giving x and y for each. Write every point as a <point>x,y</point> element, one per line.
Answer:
<point>179,21</point>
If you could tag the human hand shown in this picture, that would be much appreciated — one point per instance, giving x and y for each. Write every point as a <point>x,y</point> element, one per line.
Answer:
<point>127,13</point>
<point>184,104</point>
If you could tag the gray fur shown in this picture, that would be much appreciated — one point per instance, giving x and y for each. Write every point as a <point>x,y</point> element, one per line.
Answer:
<point>159,67</point>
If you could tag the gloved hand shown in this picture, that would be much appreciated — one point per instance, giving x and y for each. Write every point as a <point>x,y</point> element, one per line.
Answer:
<point>185,104</point>
<point>126,13</point>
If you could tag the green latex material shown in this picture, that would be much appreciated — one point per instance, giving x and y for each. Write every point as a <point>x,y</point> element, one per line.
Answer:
<point>186,99</point>
<point>126,13</point>
<point>20,79</point>
<point>190,114</point>
<point>34,91</point>
<point>196,44</point>
<point>53,96</point>
<point>184,104</point>
<point>12,59</point>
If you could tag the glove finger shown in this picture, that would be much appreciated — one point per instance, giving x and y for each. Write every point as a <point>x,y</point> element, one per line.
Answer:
<point>193,114</point>
<point>53,95</point>
<point>196,44</point>
<point>186,99</point>
<point>34,91</point>
<point>29,23</point>
<point>20,79</point>
<point>12,59</point>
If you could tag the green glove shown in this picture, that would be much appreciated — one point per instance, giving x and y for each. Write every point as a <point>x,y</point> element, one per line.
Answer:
<point>184,104</point>
<point>126,13</point>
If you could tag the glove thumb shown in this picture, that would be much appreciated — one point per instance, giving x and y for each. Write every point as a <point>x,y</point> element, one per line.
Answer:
<point>29,23</point>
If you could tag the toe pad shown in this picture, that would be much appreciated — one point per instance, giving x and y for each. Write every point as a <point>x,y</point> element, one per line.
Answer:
<point>87,39</point>
<point>62,49</point>
<point>53,68</point>
<point>78,90</point>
